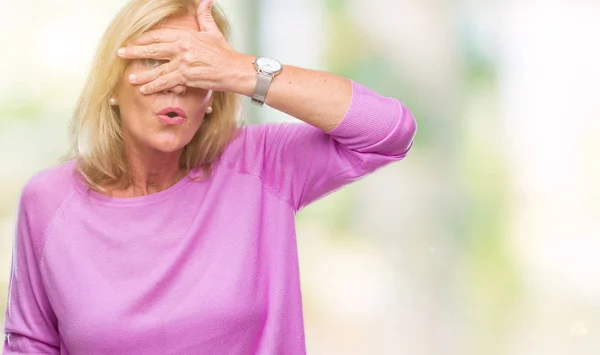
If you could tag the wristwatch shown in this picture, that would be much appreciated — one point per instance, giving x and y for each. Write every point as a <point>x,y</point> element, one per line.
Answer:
<point>266,68</point>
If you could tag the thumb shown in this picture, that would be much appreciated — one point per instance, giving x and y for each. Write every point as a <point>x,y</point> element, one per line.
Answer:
<point>205,19</point>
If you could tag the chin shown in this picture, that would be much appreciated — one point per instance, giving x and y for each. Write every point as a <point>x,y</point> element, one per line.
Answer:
<point>169,145</point>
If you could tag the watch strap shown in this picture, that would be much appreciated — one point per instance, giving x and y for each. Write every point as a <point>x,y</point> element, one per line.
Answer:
<point>263,81</point>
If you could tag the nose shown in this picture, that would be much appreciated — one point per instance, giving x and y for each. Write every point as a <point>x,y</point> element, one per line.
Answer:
<point>177,90</point>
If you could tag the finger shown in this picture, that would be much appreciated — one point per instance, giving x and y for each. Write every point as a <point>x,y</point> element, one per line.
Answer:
<point>163,83</point>
<point>158,36</point>
<point>205,18</point>
<point>154,74</point>
<point>154,51</point>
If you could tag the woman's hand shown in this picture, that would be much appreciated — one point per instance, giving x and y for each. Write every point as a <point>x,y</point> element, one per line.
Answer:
<point>205,60</point>
<point>195,59</point>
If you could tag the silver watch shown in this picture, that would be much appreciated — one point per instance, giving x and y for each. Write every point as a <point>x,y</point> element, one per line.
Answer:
<point>266,68</point>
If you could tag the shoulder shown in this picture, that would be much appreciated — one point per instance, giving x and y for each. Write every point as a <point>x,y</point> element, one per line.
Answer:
<point>261,138</point>
<point>42,198</point>
<point>256,144</point>
<point>250,135</point>
<point>48,188</point>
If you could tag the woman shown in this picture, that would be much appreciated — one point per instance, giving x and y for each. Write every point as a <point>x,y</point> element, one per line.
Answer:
<point>170,231</point>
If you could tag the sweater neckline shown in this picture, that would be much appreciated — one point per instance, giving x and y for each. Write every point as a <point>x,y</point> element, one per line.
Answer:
<point>98,197</point>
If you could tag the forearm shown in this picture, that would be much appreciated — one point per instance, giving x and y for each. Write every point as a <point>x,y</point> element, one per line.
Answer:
<point>317,98</point>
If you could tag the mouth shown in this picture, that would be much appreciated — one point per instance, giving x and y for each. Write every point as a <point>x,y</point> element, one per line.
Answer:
<point>172,115</point>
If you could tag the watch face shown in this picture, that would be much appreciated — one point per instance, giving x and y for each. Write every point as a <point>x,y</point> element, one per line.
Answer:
<point>268,64</point>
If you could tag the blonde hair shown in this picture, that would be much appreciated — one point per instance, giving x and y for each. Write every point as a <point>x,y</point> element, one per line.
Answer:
<point>96,133</point>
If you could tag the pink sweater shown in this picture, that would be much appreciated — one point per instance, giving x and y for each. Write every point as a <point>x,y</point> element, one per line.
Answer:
<point>204,267</point>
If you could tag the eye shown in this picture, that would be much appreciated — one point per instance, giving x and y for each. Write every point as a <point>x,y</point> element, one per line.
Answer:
<point>153,63</point>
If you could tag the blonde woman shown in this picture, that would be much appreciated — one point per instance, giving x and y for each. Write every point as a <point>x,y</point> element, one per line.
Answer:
<point>169,230</point>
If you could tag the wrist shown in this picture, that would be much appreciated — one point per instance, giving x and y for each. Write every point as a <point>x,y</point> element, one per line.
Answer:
<point>242,78</point>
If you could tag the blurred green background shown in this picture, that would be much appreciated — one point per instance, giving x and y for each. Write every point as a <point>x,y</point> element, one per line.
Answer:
<point>485,240</point>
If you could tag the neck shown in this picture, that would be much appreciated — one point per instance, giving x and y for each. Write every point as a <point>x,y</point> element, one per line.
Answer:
<point>150,171</point>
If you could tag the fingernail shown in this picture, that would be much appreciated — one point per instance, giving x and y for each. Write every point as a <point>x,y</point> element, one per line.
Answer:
<point>121,52</point>
<point>143,89</point>
<point>132,78</point>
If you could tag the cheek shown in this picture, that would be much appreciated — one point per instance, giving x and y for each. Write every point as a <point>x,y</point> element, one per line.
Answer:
<point>136,114</point>
<point>133,105</point>
<point>197,100</point>
<point>131,101</point>
<point>191,126</point>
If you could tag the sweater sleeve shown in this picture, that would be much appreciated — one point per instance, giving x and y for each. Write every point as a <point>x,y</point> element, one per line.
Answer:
<point>30,326</point>
<point>302,163</point>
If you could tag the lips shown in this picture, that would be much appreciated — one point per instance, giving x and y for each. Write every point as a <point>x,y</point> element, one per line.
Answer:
<point>172,115</point>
